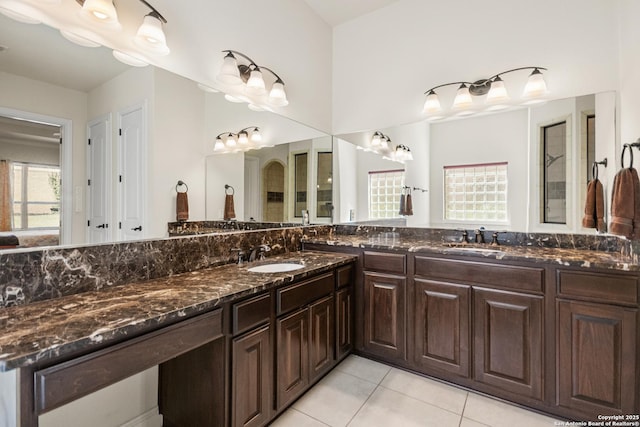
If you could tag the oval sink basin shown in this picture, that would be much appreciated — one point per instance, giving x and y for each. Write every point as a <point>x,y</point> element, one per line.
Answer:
<point>276,268</point>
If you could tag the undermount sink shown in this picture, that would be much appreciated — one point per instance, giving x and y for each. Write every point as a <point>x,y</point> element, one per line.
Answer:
<point>280,267</point>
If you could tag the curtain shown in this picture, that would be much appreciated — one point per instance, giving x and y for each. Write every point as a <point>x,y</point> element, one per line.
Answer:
<point>6,199</point>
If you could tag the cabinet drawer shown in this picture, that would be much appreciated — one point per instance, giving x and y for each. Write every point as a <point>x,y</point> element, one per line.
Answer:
<point>504,276</point>
<point>344,276</point>
<point>602,287</point>
<point>250,313</point>
<point>386,263</point>
<point>296,296</point>
<point>71,380</point>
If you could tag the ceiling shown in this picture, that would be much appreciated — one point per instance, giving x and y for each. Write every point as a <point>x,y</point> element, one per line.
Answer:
<point>335,12</point>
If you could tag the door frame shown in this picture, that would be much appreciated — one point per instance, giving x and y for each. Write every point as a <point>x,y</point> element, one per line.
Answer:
<point>108,174</point>
<point>66,164</point>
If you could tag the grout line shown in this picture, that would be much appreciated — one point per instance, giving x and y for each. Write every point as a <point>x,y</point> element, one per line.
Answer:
<point>361,406</point>
<point>463,408</point>
<point>304,413</point>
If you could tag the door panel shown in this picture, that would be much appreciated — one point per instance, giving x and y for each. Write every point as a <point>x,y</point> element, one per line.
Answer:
<point>98,179</point>
<point>322,337</point>
<point>384,315</point>
<point>131,179</point>
<point>293,356</point>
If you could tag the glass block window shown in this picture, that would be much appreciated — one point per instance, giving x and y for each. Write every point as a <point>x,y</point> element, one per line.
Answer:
<point>385,188</point>
<point>476,192</point>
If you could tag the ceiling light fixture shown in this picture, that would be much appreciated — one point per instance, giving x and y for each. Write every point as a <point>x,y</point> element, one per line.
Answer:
<point>493,87</point>
<point>246,139</point>
<point>249,79</point>
<point>381,144</point>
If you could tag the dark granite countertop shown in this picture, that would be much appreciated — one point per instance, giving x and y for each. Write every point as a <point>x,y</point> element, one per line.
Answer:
<point>56,328</point>
<point>559,256</point>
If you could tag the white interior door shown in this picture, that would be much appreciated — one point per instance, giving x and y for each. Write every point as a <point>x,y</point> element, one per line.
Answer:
<point>252,197</point>
<point>98,179</point>
<point>131,173</point>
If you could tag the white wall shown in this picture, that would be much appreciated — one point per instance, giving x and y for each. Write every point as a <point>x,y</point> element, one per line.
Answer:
<point>48,154</point>
<point>485,139</point>
<point>385,60</point>
<point>9,398</point>
<point>345,173</point>
<point>417,137</point>
<point>224,169</point>
<point>629,70</point>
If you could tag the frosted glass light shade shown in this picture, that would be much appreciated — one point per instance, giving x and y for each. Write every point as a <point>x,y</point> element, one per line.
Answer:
<point>231,140</point>
<point>79,39</point>
<point>150,36</point>
<point>277,95</point>
<point>101,11</point>
<point>243,138</point>
<point>463,98</point>
<point>432,103</point>
<point>256,136</point>
<point>376,140</point>
<point>219,145</point>
<point>129,59</point>
<point>229,73</point>
<point>536,86</point>
<point>498,93</point>
<point>20,12</point>
<point>255,84</point>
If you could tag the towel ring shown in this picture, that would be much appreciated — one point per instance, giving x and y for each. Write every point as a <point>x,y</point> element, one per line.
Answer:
<point>182,183</point>
<point>226,190</point>
<point>624,148</point>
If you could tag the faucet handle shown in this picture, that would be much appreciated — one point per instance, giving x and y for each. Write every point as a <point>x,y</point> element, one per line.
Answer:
<point>241,255</point>
<point>465,235</point>
<point>479,232</point>
<point>494,238</point>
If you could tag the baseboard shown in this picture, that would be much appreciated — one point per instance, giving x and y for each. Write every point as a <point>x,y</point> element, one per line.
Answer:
<point>151,418</point>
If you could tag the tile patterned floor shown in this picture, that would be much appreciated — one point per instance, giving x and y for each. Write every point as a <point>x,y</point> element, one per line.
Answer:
<point>364,393</point>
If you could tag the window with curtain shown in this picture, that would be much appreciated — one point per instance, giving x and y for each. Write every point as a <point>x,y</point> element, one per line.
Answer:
<point>36,196</point>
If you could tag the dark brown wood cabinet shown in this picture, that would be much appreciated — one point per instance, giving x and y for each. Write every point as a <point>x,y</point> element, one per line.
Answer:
<point>441,326</point>
<point>344,322</point>
<point>384,313</point>
<point>251,378</point>
<point>322,339</point>
<point>596,353</point>
<point>293,356</point>
<point>508,341</point>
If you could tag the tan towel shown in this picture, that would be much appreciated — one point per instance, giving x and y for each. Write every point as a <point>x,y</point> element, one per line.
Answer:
<point>402,204</point>
<point>594,207</point>
<point>408,206</point>
<point>182,207</point>
<point>229,210</point>
<point>625,204</point>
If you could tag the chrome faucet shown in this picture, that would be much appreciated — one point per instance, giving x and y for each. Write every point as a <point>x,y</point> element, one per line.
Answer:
<point>479,235</point>
<point>258,252</point>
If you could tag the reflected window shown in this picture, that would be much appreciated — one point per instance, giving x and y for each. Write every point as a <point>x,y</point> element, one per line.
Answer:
<point>554,173</point>
<point>385,189</point>
<point>300,184</point>
<point>324,186</point>
<point>476,192</point>
<point>591,141</point>
<point>36,196</point>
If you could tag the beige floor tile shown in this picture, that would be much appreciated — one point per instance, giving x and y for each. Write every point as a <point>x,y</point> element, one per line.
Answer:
<point>388,408</point>
<point>362,368</point>
<point>293,418</point>
<point>498,414</point>
<point>466,422</point>
<point>429,391</point>
<point>335,399</point>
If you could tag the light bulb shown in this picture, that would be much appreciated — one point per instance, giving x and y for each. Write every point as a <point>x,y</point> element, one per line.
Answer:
<point>463,98</point>
<point>102,11</point>
<point>229,73</point>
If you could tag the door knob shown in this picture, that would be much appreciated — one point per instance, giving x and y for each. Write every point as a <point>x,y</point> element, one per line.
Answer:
<point>101,226</point>
<point>138,228</point>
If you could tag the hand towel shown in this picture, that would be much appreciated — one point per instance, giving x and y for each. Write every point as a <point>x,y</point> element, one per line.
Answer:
<point>625,204</point>
<point>408,205</point>
<point>182,207</point>
<point>403,205</point>
<point>594,207</point>
<point>229,210</point>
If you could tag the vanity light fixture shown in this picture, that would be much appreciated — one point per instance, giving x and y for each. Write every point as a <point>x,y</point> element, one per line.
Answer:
<point>149,38</point>
<point>493,87</point>
<point>248,80</point>
<point>403,153</point>
<point>246,139</point>
<point>381,144</point>
<point>20,12</point>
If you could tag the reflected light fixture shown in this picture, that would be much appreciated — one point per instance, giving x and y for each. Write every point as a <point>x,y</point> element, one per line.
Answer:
<point>246,139</point>
<point>403,153</point>
<point>493,87</point>
<point>381,144</point>
<point>20,12</point>
<point>129,59</point>
<point>249,79</point>
<point>80,38</point>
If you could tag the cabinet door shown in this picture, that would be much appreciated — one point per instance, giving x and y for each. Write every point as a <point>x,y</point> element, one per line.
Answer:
<point>251,379</point>
<point>384,311</point>
<point>293,356</point>
<point>442,326</point>
<point>344,322</point>
<point>596,358</point>
<point>508,351</point>
<point>322,341</point>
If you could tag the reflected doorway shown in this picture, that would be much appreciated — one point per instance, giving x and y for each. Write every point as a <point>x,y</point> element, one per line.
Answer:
<point>273,183</point>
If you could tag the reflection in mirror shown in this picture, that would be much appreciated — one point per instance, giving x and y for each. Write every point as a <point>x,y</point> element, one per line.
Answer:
<point>514,138</point>
<point>324,186</point>
<point>274,183</point>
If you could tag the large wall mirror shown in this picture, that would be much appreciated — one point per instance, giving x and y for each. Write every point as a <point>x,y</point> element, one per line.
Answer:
<point>524,169</point>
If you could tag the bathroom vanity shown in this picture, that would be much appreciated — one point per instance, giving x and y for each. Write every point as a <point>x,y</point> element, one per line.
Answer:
<point>554,329</point>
